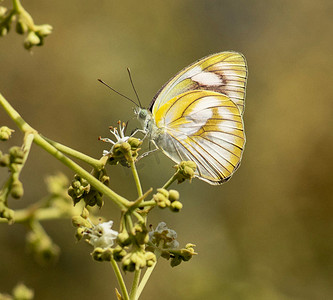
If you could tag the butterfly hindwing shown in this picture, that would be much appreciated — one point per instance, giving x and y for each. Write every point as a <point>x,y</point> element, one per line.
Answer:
<point>205,127</point>
<point>224,72</point>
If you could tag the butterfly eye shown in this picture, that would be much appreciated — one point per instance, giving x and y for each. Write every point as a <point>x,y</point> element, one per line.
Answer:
<point>142,114</point>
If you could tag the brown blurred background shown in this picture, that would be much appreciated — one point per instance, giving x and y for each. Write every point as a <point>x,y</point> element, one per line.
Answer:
<point>264,235</point>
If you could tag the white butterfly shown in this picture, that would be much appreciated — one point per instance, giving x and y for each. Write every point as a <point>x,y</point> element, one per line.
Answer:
<point>197,116</point>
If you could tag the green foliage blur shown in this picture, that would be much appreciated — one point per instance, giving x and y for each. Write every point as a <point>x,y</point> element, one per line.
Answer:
<point>264,235</point>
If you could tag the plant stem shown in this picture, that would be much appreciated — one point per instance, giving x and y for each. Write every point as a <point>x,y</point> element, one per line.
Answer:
<point>26,128</point>
<point>170,181</point>
<point>95,163</point>
<point>17,6</point>
<point>136,280</point>
<point>136,178</point>
<point>120,279</point>
<point>147,274</point>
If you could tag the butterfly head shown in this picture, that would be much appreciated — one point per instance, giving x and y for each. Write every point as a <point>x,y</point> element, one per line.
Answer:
<point>144,117</point>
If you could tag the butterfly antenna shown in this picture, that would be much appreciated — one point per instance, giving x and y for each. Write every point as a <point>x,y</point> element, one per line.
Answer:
<point>136,94</point>
<point>112,89</point>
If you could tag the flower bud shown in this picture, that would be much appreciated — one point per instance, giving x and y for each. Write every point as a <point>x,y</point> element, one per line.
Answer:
<point>5,133</point>
<point>164,192</point>
<point>44,30</point>
<point>134,143</point>
<point>123,239</point>
<point>150,258</point>
<point>7,214</point>
<point>31,40</point>
<point>119,253</point>
<point>3,11</point>
<point>21,292</point>
<point>80,231</point>
<point>176,206</point>
<point>185,170</point>
<point>4,31</point>
<point>4,160</point>
<point>78,221</point>
<point>173,195</point>
<point>16,155</point>
<point>17,189</point>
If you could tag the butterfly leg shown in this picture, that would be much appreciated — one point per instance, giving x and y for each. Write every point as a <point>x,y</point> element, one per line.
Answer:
<point>146,154</point>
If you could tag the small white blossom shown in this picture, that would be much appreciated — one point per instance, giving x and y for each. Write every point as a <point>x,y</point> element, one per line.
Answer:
<point>163,233</point>
<point>120,137</point>
<point>102,235</point>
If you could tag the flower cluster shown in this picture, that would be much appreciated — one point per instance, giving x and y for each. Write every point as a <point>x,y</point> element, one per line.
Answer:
<point>164,239</point>
<point>164,198</point>
<point>14,187</point>
<point>124,149</point>
<point>24,25</point>
<point>80,189</point>
<point>185,170</point>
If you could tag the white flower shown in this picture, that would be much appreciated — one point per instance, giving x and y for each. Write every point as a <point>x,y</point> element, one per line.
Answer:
<point>102,235</point>
<point>163,233</point>
<point>119,135</point>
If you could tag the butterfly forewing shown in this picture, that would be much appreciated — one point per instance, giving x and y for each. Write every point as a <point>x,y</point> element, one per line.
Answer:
<point>205,127</point>
<point>224,72</point>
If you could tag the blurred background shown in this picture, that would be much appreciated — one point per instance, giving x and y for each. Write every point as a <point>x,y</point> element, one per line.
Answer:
<point>264,235</point>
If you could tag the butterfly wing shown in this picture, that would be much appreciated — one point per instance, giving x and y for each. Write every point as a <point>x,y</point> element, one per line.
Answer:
<point>223,72</point>
<point>205,127</point>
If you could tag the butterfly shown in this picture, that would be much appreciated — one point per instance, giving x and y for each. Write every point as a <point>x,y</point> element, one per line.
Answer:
<point>198,116</point>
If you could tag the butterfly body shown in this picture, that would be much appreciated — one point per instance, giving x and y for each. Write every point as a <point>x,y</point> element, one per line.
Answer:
<point>197,116</point>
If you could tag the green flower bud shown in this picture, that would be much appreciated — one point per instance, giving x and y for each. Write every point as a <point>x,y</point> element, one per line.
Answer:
<point>150,258</point>
<point>21,292</point>
<point>100,254</point>
<point>31,40</point>
<point>119,253</point>
<point>78,221</point>
<point>5,133</point>
<point>42,247</point>
<point>4,31</point>
<point>16,155</point>
<point>173,195</point>
<point>44,30</point>
<point>161,198</point>
<point>79,233</point>
<point>4,160</point>
<point>164,192</point>
<point>141,234</point>
<point>128,265</point>
<point>17,189</point>
<point>8,214</point>
<point>134,143</point>
<point>176,206</point>
<point>185,170</point>
<point>123,239</point>
<point>3,11</point>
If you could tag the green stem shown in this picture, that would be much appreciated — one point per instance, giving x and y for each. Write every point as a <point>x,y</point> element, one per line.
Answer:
<point>120,279</point>
<point>146,276</point>
<point>170,181</point>
<point>136,280</point>
<point>136,178</point>
<point>17,6</point>
<point>26,128</point>
<point>95,163</point>
<point>120,201</point>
